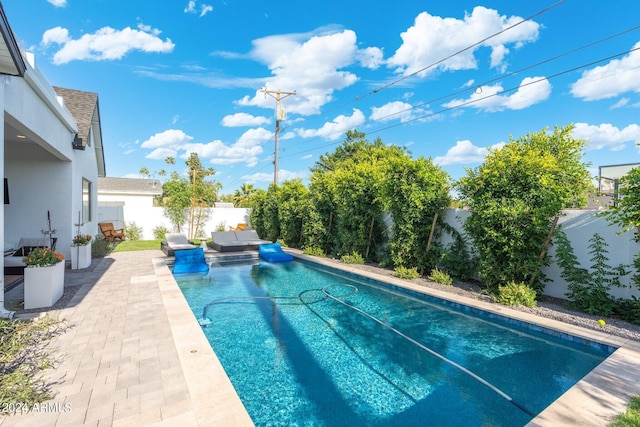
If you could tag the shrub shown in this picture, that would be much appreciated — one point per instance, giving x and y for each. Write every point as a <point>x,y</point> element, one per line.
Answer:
<point>159,232</point>
<point>354,258</point>
<point>516,294</point>
<point>222,225</point>
<point>406,273</point>
<point>23,358</point>
<point>629,310</point>
<point>100,248</point>
<point>440,277</point>
<point>313,251</point>
<point>589,289</point>
<point>132,231</point>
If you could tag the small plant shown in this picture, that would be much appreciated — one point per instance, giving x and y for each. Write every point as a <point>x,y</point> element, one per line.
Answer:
<point>354,258</point>
<point>132,231</point>
<point>313,251</point>
<point>160,231</point>
<point>631,417</point>
<point>100,248</point>
<point>440,277</point>
<point>23,358</point>
<point>42,257</point>
<point>81,240</point>
<point>406,273</point>
<point>516,294</point>
<point>221,226</point>
<point>589,289</point>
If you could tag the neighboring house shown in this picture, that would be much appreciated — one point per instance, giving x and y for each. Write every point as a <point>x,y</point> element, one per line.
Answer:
<point>51,156</point>
<point>129,200</point>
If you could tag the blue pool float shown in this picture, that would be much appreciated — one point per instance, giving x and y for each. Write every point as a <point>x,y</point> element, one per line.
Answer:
<point>272,252</point>
<point>190,261</point>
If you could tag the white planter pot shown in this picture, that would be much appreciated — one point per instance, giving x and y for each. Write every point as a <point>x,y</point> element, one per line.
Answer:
<point>80,256</point>
<point>43,286</point>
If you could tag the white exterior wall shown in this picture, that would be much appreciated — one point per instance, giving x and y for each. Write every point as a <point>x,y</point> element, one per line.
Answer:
<point>45,175</point>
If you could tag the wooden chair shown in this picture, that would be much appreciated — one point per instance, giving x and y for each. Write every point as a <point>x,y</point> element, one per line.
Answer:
<point>110,233</point>
<point>239,227</point>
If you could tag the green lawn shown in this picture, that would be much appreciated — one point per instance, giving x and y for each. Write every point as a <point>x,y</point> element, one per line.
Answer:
<point>143,245</point>
<point>137,245</point>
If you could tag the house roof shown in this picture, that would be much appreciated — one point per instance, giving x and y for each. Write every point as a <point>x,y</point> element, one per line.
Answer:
<point>11,59</point>
<point>85,109</point>
<point>129,186</point>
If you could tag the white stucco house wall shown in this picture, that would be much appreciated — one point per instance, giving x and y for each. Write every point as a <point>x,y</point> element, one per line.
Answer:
<point>51,155</point>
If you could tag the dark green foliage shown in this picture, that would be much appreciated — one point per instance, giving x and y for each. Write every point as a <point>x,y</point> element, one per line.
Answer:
<point>626,211</point>
<point>589,288</point>
<point>514,197</point>
<point>456,259</point>
<point>414,191</point>
<point>293,211</point>
<point>257,216</point>
<point>629,310</point>
<point>271,221</point>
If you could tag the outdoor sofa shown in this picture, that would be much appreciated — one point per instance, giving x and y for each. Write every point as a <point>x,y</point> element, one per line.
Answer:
<point>230,241</point>
<point>13,255</point>
<point>175,242</point>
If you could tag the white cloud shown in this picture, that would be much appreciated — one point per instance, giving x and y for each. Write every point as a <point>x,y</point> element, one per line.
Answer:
<point>243,119</point>
<point>396,110</point>
<point>336,128</point>
<point>204,8</point>
<point>58,3</point>
<point>312,64</point>
<point>464,152</point>
<point>532,90</point>
<point>254,137</point>
<point>432,38</point>
<point>623,102</point>
<point>308,156</point>
<point>175,143</point>
<point>105,44</point>
<point>606,135</point>
<point>607,81</point>
<point>168,138</point>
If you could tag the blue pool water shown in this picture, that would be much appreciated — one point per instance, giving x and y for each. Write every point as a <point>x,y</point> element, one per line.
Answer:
<point>299,358</point>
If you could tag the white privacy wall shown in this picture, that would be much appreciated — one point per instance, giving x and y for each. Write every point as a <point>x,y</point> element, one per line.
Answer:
<point>139,209</point>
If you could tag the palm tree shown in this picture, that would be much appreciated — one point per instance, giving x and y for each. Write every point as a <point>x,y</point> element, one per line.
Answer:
<point>242,197</point>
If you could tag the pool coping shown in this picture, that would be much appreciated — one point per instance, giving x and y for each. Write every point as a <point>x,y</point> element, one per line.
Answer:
<point>593,401</point>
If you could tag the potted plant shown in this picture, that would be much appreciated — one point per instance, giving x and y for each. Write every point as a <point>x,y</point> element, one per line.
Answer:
<point>81,251</point>
<point>43,278</point>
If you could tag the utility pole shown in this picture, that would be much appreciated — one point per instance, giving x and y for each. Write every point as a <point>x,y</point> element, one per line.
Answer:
<point>280,115</point>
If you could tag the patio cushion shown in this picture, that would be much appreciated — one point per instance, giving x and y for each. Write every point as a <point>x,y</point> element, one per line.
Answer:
<point>190,261</point>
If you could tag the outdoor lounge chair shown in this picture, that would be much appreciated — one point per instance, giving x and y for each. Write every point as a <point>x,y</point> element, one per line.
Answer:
<point>175,242</point>
<point>111,233</point>
<point>229,241</point>
<point>239,227</point>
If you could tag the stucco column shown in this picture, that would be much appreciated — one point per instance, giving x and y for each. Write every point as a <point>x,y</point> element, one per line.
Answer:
<point>4,313</point>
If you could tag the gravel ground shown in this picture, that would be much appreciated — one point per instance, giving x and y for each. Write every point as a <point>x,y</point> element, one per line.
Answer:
<point>551,308</point>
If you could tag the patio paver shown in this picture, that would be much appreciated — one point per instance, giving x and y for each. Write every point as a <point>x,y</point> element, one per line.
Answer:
<point>133,355</point>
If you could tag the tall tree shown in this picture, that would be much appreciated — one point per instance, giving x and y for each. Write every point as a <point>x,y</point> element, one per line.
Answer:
<point>514,196</point>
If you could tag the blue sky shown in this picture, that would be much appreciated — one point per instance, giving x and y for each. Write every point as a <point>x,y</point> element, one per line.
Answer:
<point>446,79</point>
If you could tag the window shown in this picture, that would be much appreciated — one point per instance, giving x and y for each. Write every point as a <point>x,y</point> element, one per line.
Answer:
<point>86,200</point>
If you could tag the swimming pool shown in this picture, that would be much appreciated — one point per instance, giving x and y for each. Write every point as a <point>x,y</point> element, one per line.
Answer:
<point>298,357</point>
